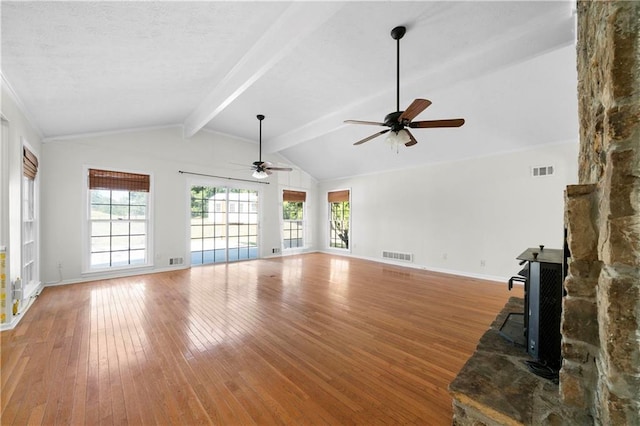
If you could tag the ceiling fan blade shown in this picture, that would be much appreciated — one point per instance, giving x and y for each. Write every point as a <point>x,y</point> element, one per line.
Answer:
<point>416,107</point>
<point>454,122</point>
<point>413,140</point>
<point>371,137</point>
<point>373,123</point>
<point>281,169</point>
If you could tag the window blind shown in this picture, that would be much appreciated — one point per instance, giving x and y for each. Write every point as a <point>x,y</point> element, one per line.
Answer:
<point>118,181</point>
<point>294,196</point>
<point>29,164</point>
<point>338,196</point>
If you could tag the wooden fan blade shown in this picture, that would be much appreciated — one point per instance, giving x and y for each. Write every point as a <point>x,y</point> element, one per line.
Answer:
<point>416,107</point>
<point>371,137</point>
<point>281,169</point>
<point>454,122</point>
<point>373,123</point>
<point>413,140</point>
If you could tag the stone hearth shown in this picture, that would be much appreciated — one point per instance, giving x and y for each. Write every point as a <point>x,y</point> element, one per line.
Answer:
<point>495,387</point>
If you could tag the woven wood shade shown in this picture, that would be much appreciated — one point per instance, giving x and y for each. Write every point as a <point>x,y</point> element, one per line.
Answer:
<point>29,164</point>
<point>338,196</point>
<point>118,181</point>
<point>294,196</point>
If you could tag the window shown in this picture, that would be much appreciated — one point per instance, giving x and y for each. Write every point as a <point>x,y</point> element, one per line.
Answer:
<point>118,219</point>
<point>293,218</point>
<point>339,214</point>
<point>29,219</point>
<point>224,224</point>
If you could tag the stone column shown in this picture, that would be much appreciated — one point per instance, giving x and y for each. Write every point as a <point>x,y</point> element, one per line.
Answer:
<point>601,318</point>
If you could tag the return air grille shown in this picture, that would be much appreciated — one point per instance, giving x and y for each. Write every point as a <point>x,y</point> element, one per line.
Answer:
<point>394,255</point>
<point>540,171</point>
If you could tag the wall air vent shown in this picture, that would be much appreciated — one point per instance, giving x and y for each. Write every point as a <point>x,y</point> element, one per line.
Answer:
<point>176,261</point>
<point>394,255</point>
<point>539,171</point>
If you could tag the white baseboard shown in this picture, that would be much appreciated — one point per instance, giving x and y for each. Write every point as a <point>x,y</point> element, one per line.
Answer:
<point>485,277</point>
<point>120,274</point>
<point>33,295</point>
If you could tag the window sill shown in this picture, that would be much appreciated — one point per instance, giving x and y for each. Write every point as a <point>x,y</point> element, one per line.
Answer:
<point>116,270</point>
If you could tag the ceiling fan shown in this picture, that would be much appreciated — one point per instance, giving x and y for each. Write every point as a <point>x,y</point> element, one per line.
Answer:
<point>262,169</point>
<point>399,121</point>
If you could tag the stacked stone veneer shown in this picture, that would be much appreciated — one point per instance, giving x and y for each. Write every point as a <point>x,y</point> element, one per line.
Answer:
<point>601,312</point>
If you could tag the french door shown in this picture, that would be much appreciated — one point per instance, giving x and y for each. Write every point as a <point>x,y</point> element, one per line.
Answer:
<point>224,224</point>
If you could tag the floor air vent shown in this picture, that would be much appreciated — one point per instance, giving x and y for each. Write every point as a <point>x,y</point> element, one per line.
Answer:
<point>394,255</point>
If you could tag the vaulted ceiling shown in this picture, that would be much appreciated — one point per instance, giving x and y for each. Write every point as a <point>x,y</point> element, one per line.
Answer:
<point>508,68</point>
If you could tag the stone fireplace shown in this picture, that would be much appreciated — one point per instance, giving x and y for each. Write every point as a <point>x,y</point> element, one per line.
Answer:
<point>601,312</point>
<point>599,382</point>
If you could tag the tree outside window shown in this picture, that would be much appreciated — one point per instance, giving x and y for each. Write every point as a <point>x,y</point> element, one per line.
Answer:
<point>293,218</point>
<point>339,219</point>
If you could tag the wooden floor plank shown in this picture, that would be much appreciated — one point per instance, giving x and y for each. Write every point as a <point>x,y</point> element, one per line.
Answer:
<point>308,339</point>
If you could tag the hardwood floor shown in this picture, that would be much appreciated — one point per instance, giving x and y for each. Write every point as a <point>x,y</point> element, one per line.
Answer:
<point>309,339</point>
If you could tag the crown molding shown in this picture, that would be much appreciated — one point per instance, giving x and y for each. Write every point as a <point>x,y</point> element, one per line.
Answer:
<point>23,109</point>
<point>89,135</point>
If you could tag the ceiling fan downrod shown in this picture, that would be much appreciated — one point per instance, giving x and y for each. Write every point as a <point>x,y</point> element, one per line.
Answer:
<point>260,118</point>
<point>397,33</point>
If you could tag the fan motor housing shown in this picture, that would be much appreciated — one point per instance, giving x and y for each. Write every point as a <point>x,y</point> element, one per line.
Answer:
<point>391,120</point>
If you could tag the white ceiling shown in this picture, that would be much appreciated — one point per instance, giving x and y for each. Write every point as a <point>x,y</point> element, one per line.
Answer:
<point>508,68</point>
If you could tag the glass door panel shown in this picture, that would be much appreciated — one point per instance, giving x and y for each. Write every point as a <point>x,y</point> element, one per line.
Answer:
<point>224,224</point>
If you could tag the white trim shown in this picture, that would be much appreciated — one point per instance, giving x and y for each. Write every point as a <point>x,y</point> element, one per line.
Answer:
<point>5,213</point>
<point>227,135</point>
<point>328,219</point>
<point>108,133</point>
<point>36,220</point>
<point>119,274</point>
<point>23,109</point>
<point>290,253</point>
<point>224,183</point>
<point>86,234</point>
<point>305,222</point>
<point>494,278</point>
<point>15,320</point>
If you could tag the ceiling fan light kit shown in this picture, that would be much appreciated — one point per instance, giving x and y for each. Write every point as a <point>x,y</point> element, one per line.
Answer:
<point>259,174</point>
<point>399,121</point>
<point>395,139</point>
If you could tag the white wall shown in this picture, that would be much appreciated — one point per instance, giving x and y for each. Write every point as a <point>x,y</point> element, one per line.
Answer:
<point>20,130</point>
<point>453,216</point>
<point>487,209</point>
<point>161,153</point>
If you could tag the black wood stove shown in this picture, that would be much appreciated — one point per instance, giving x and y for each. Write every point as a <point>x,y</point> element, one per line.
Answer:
<point>538,327</point>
